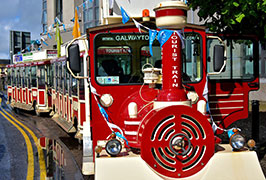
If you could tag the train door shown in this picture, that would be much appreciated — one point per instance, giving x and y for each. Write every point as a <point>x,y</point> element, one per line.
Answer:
<point>27,79</point>
<point>74,99</point>
<point>14,83</point>
<point>60,89</point>
<point>41,85</point>
<point>23,85</point>
<point>18,85</point>
<point>55,88</point>
<point>229,90</point>
<point>30,85</point>
<point>82,102</point>
<point>67,111</point>
<point>34,89</point>
<point>50,74</point>
<point>64,91</point>
<point>9,83</point>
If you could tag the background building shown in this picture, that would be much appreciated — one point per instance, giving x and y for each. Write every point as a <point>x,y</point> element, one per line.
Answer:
<point>91,13</point>
<point>64,11</point>
<point>19,41</point>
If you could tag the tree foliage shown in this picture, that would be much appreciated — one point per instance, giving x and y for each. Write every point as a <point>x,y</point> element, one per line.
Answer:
<point>234,16</point>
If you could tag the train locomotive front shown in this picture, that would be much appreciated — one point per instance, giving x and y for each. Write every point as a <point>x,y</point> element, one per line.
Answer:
<point>162,131</point>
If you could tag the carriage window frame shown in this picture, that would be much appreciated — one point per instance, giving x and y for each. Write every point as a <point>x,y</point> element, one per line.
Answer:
<point>27,76</point>
<point>50,74</point>
<point>199,62</point>
<point>124,43</point>
<point>63,78</point>
<point>231,64</point>
<point>81,84</point>
<point>14,77</point>
<point>41,77</point>
<point>18,77</point>
<point>34,76</point>
<point>9,77</point>
<point>22,76</point>
<point>105,35</point>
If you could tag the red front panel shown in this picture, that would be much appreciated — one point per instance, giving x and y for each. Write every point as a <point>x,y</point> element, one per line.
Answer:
<point>24,95</point>
<point>49,98</point>
<point>34,95</point>
<point>30,96</point>
<point>41,97</point>
<point>9,92</point>
<point>60,104</point>
<point>67,107</point>
<point>70,109</point>
<point>18,95</point>
<point>82,113</point>
<point>64,106</point>
<point>228,101</point>
<point>14,93</point>
<point>124,94</point>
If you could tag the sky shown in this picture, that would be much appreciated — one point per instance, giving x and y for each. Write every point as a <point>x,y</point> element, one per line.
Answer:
<point>19,15</point>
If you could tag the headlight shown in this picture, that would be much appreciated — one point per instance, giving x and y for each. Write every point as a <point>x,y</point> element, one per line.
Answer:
<point>113,147</point>
<point>106,100</point>
<point>237,141</point>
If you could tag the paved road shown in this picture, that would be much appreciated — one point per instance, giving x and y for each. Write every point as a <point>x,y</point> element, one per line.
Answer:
<point>22,157</point>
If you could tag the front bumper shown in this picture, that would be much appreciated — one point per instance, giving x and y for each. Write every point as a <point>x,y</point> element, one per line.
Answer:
<point>224,165</point>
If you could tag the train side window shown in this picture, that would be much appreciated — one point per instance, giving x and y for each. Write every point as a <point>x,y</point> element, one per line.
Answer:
<point>74,86</point>
<point>9,71</point>
<point>29,76</point>
<point>59,77</point>
<point>81,84</point>
<point>41,77</point>
<point>14,77</point>
<point>22,75</point>
<point>240,59</point>
<point>55,76</point>
<point>26,76</point>
<point>18,77</point>
<point>63,78</point>
<point>50,73</point>
<point>192,58</point>
<point>33,76</point>
<point>67,82</point>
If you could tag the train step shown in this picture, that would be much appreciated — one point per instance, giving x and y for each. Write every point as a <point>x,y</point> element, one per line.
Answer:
<point>67,126</point>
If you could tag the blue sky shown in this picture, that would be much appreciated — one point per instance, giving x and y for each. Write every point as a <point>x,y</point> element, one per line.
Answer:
<point>19,15</point>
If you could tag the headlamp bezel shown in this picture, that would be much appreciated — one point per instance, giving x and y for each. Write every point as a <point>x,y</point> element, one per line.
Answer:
<point>110,143</point>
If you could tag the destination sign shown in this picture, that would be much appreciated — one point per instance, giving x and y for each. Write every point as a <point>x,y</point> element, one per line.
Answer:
<point>127,37</point>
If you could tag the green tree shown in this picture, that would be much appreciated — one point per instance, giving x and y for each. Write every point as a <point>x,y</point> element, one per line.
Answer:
<point>234,16</point>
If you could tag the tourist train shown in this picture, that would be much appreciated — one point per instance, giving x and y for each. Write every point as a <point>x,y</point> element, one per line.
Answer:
<point>148,99</point>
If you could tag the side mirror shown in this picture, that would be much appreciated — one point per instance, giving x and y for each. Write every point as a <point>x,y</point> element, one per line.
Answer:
<point>74,58</point>
<point>218,58</point>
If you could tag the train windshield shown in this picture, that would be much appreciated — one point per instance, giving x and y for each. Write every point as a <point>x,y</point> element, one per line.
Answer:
<point>120,57</point>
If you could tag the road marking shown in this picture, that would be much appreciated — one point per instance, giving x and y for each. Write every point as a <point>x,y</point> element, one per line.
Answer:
<point>30,169</point>
<point>40,152</point>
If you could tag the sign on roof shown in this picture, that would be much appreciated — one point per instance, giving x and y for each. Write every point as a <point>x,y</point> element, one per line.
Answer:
<point>17,58</point>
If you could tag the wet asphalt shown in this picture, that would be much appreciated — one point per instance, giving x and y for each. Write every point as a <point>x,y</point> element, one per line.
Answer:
<point>13,151</point>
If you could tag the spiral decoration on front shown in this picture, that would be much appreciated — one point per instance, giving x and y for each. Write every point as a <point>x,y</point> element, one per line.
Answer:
<point>177,141</point>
